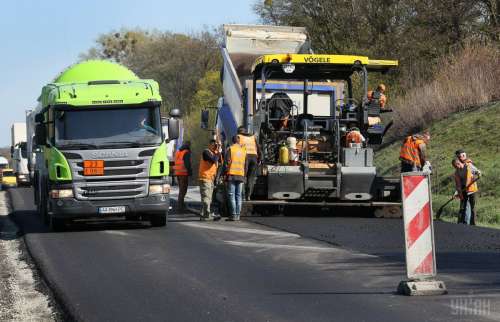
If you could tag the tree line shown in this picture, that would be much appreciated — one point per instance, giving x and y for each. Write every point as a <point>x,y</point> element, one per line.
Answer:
<point>426,36</point>
<point>419,33</point>
<point>416,32</point>
<point>180,63</point>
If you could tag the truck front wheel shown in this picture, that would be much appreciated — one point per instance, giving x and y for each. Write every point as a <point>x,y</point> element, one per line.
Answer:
<point>56,224</point>
<point>42,207</point>
<point>158,220</point>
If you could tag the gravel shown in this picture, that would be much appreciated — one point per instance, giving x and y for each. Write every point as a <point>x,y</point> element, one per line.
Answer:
<point>23,297</point>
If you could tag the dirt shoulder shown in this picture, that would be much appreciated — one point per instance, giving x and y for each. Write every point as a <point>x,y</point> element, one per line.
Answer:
<point>23,296</point>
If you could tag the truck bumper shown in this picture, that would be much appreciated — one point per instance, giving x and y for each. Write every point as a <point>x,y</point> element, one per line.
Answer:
<point>72,208</point>
<point>23,179</point>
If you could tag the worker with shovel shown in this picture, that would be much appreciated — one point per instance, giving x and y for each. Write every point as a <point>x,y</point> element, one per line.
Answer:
<point>466,176</point>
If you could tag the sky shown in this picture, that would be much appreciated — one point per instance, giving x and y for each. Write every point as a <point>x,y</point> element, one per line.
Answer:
<point>41,38</point>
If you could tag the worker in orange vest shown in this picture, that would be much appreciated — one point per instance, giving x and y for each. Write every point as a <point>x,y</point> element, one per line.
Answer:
<point>413,153</point>
<point>235,164</point>
<point>378,94</point>
<point>466,175</point>
<point>249,141</point>
<point>354,138</point>
<point>209,162</point>
<point>182,170</point>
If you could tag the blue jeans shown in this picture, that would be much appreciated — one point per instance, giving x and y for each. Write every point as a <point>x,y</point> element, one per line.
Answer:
<point>467,209</point>
<point>234,189</point>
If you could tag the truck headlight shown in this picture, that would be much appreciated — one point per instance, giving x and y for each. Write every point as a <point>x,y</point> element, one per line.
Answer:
<point>61,193</point>
<point>156,189</point>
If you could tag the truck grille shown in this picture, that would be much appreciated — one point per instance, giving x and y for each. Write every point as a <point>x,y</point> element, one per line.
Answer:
<point>128,178</point>
<point>116,172</point>
<point>111,190</point>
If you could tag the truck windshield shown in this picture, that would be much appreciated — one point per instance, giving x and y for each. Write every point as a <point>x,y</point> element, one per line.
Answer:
<point>107,128</point>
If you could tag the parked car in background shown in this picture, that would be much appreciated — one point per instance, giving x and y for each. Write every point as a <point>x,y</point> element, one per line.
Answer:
<point>7,179</point>
<point>4,163</point>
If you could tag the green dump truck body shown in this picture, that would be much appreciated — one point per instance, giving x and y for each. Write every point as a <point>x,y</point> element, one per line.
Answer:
<point>78,86</point>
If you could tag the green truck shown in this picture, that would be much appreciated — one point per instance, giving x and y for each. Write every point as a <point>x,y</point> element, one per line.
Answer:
<point>101,151</point>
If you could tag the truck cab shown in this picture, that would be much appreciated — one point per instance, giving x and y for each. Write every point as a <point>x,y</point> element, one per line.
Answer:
<point>20,163</point>
<point>18,152</point>
<point>101,149</point>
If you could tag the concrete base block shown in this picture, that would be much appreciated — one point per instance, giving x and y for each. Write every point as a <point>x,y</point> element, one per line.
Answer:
<point>430,287</point>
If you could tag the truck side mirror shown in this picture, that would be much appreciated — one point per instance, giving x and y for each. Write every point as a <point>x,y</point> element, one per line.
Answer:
<point>173,128</point>
<point>12,152</point>
<point>39,118</point>
<point>205,117</point>
<point>40,135</point>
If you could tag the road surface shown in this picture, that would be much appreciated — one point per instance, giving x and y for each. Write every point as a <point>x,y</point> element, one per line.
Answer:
<point>287,269</point>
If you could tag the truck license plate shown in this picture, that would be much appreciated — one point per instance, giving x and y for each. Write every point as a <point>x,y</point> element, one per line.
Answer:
<point>112,210</point>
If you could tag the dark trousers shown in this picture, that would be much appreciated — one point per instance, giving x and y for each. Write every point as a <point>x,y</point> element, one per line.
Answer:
<point>183,187</point>
<point>252,166</point>
<point>406,167</point>
<point>462,218</point>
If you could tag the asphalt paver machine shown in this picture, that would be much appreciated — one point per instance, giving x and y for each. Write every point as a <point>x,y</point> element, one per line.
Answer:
<point>301,106</point>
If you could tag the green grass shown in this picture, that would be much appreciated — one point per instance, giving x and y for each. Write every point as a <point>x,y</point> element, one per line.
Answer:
<point>478,133</point>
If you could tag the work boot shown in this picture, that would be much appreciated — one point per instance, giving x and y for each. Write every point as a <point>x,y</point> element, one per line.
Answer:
<point>237,218</point>
<point>216,217</point>
<point>231,218</point>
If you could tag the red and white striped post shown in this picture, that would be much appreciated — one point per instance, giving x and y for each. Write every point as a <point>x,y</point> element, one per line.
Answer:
<point>419,236</point>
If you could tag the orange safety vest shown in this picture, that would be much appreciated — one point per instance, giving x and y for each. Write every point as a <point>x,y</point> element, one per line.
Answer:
<point>250,143</point>
<point>410,151</point>
<point>236,165</point>
<point>382,100</point>
<point>353,137</point>
<point>179,167</point>
<point>207,170</point>
<point>471,188</point>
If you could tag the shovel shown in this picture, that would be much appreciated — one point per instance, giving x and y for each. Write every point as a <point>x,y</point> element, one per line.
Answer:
<point>440,210</point>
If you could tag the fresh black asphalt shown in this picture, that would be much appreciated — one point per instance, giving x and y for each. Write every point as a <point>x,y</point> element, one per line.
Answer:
<point>192,271</point>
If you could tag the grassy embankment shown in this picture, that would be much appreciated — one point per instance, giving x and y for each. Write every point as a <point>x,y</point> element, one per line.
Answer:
<point>477,132</point>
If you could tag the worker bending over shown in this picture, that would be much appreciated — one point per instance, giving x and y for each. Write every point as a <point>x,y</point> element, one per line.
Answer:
<point>354,138</point>
<point>249,142</point>
<point>209,162</point>
<point>235,176</point>
<point>413,153</point>
<point>466,175</point>
<point>182,170</point>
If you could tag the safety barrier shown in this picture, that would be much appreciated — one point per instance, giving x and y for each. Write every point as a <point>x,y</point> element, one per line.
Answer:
<point>419,237</point>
